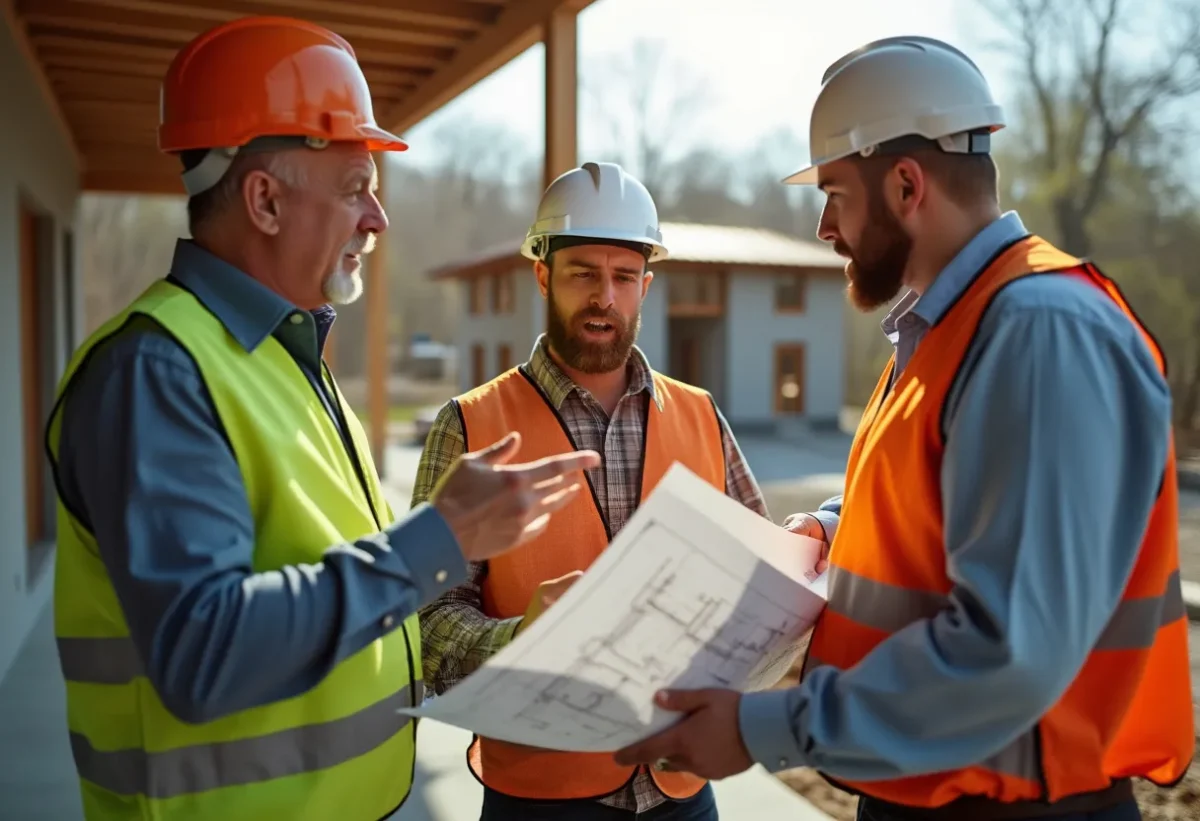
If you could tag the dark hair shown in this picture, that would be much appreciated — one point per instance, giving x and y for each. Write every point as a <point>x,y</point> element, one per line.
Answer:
<point>965,178</point>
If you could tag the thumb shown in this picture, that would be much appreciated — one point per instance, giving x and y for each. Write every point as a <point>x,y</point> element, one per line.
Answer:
<point>681,701</point>
<point>500,452</point>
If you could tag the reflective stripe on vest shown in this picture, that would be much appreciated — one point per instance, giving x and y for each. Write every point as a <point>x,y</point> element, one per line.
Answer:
<point>1128,711</point>
<point>684,429</point>
<point>889,609</point>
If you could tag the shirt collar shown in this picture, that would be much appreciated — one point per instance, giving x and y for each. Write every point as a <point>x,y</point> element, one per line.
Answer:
<point>957,276</point>
<point>249,310</point>
<point>558,386</point>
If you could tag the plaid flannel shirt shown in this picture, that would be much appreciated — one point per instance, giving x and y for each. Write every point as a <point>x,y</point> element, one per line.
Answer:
<point>456,636</point>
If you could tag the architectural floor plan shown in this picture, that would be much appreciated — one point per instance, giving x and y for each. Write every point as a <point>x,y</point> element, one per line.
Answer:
<point>676,601</point>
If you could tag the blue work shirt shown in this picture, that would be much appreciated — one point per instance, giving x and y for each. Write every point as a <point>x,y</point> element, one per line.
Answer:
<point>146,466</point>
<point>1057,432</point>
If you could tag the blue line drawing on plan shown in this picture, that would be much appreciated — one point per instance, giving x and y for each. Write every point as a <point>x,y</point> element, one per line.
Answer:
<point>673,630</point>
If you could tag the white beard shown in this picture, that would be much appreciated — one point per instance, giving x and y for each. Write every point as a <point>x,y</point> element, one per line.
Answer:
<point>341,288</point>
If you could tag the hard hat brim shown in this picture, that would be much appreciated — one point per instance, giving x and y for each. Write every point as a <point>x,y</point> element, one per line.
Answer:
<point>805,176</point>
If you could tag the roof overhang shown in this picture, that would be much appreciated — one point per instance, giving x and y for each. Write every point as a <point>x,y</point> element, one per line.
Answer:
<point>100,63</point>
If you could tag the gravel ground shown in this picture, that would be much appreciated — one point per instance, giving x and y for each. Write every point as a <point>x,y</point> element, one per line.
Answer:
<point>1179,804</point>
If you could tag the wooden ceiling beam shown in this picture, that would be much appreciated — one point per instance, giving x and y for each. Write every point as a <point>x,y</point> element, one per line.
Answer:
<point>516,29</point>
<point>456,15</point>
<point>177,16</point>
<point>66,44</point>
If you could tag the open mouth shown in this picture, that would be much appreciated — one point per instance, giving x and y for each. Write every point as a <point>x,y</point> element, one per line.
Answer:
<point>597,326</point>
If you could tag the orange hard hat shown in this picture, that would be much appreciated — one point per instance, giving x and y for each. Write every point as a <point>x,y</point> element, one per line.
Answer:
<point>267,77</point>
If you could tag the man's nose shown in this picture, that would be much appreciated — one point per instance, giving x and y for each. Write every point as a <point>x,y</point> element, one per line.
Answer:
<point>374,219</point>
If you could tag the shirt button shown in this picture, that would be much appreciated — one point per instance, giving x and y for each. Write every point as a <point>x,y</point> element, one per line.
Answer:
<point>440,576</point>
<point>388,621</point>
<point>783,762</point>
<point>297,319</point>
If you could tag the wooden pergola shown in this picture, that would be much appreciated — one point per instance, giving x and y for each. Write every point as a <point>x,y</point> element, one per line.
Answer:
<point>100,62</point>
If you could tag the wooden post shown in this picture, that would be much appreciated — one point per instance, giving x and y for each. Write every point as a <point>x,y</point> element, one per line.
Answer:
<point>561,90</point>
<point>377,357</point>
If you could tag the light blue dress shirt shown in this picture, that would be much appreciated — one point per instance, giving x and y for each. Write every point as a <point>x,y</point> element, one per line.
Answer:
<point>1057,433</point>
<point>146,466</point>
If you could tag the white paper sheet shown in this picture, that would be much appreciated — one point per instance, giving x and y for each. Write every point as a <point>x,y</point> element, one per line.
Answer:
<point>696,591</point>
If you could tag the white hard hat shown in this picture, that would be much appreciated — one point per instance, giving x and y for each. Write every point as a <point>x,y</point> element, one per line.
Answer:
<point>899,87</point>
<point>596,201</point>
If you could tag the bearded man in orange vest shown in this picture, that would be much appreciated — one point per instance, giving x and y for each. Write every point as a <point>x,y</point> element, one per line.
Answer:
<point>586,385</point>
<point>1005,635</point>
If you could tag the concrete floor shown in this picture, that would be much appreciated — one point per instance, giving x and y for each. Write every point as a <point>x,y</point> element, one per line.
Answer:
<point>37,776</point>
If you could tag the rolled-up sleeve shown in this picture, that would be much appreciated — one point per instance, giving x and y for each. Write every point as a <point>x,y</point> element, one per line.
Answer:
<point>1055,449</point>
<point>145,464</point>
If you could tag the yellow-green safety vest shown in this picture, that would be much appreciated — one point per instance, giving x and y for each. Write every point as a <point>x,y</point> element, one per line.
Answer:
<point>341,750</point>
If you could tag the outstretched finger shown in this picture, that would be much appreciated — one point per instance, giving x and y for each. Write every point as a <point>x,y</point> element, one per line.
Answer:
<point>552,466</point>
<point>556,500</point>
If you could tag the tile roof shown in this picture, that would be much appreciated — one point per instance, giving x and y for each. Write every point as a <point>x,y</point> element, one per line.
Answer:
<point>694,242</point>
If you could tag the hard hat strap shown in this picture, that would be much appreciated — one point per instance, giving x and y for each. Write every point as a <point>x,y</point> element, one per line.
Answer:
<point>216,162</point>
<point>965,142</point>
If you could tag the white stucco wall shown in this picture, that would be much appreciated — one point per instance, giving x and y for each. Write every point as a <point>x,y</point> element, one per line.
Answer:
<point>37,167</point>
<point>521,328</point>
<point>753,330</point>
<point>518,329</point>
<point>653,337</point>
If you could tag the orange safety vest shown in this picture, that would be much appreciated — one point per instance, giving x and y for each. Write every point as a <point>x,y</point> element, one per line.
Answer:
<point>685,429</point>
<point>1129,710</point>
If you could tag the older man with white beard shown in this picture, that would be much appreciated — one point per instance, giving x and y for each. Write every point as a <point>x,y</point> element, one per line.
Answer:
<point>235,601</point>
<point>586,385</point>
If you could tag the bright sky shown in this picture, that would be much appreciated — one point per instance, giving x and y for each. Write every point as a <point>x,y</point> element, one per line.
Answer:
<point>762,59</point>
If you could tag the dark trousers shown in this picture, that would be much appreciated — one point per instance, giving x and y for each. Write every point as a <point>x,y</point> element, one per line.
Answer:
<point>870,810</point>
<point>500,807</point>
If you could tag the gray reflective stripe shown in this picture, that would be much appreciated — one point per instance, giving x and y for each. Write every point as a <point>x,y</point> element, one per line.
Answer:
<point>889,608</point>
<point>880,605</point>
<point>99,661</point>
<point>246,761</point>
<point>1019,759</point>
<point>1136,621</point>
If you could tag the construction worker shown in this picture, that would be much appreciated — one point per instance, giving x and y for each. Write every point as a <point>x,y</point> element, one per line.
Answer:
<point>235,603</point>
<point>1005,635</point>
<point>586,385</point>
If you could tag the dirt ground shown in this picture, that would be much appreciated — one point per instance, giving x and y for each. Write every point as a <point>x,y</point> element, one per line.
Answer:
<point>1182,803</point>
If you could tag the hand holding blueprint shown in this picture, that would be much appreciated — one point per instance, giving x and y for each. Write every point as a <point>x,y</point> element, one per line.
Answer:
<point>696,591</point>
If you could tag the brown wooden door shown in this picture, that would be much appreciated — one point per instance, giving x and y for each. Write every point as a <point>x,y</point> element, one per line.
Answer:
<point>31,380</point>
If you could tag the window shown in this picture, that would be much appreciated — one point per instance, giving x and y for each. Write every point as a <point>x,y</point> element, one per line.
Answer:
<point>503,357</point>
<point>478,374</point>
<point>475,287</point>
<point>695,294</point>
<point>789,378</point>
<point>789,293</point>
<point>503,299</point>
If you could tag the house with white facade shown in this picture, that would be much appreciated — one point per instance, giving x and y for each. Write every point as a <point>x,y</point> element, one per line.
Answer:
<point>753,316</point>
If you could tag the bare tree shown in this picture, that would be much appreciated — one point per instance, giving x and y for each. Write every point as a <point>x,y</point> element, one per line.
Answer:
<point>647,101</point>
<point>1087,101</point>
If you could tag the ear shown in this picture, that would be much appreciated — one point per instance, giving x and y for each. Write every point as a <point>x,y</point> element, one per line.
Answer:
<point>542,271</point>
<point>907,186</point>
<point>647,278</point>
<point>262,197</point>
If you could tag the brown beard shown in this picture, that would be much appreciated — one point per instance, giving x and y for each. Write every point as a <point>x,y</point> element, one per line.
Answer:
<point>566,338</point>
<point>876,267</point>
